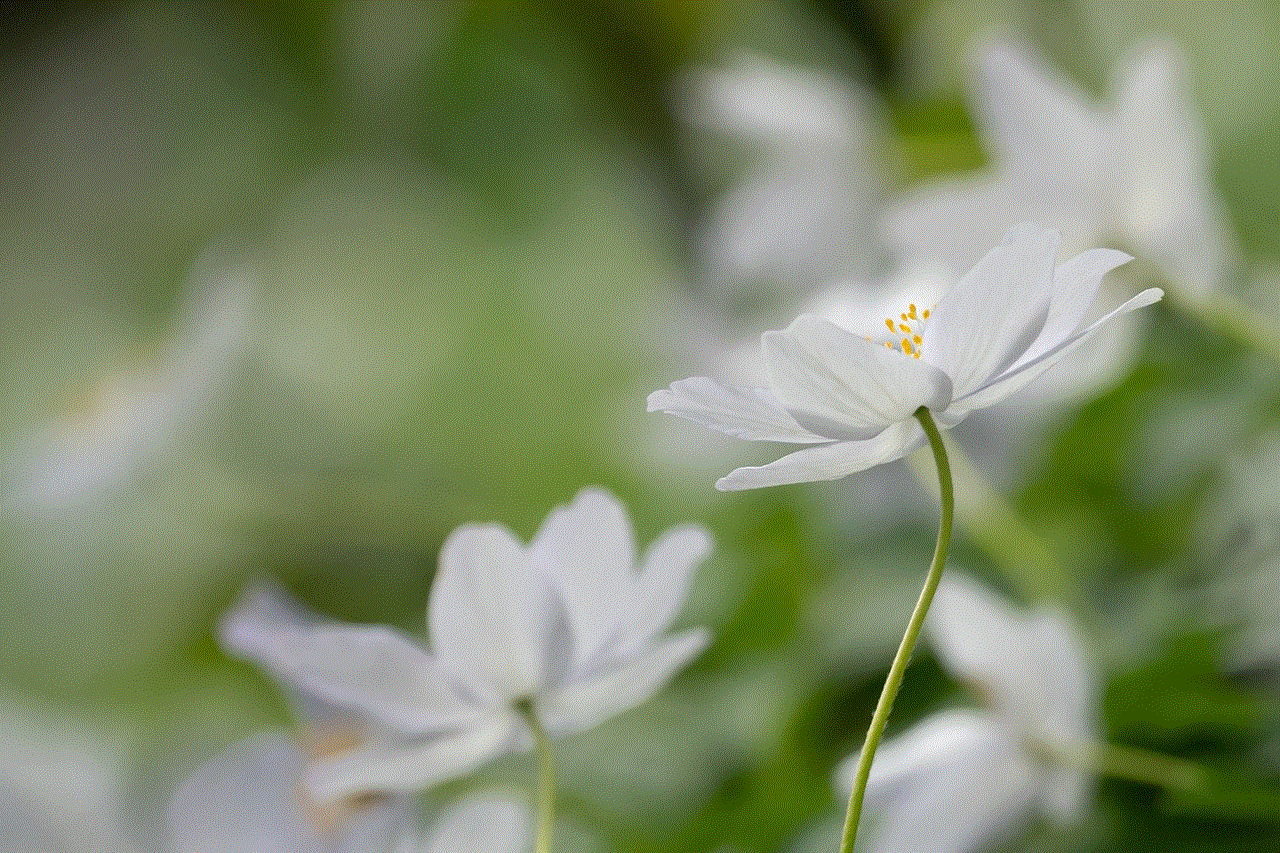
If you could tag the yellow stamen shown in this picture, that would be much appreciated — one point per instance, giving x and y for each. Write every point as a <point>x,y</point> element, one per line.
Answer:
<point>906,346</point>
<point>926,313</point>
<point>905,328</point>
<point>888,321</point>
<point>917,339</point>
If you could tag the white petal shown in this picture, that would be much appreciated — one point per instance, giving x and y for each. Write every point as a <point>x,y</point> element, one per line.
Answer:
<point>750,413</point>
<point>846,387</point>
<point>247,800</point>
<point>1033,118</point>
<point>488,823</point>
<point>1016,377</point>
<point>663,581</point>
<point>491,617</point>
<point>961,806</point>
<point>1170,209</point>
<point>1075,285</point>
<point>588,551</point>
<point>414,764</point>
<point>829,462</point>
<point>246,631</point>
<point>987,321</point>
<point>937,741</point>
<point>1069,705</point>
<point>587,703</point>
<point>979,638</point>
<point>374,670</point>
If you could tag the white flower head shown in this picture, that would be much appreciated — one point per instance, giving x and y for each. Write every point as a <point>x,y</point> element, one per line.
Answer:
<point>803,211</point>
<point>853,396</point>
<point>569,624</point>
<point>960,779</point>
<point>1135,167</point>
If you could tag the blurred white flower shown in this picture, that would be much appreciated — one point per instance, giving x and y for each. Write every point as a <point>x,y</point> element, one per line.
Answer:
<point>568,625</point>
<point>1004,323</point>
<point>1134,169</point>
<point>249,799</point>
<point>70,464</point>
<point>960,779</point>
<point>803,212</point>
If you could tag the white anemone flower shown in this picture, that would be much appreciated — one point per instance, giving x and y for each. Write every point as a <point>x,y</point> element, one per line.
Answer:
<point>804,209</point>
<point>248,800</point>
<point>1134,168</point>
<point>568,627</point>
<point>854,396</point>
<point>961,779</point>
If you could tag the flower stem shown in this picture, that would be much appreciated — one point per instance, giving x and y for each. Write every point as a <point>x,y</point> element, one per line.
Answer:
<point>546,776</point>
<point>898,668</point>
<point>1129,763</point>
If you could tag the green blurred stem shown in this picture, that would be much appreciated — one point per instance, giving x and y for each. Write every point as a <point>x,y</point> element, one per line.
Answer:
<point>1228,316</point>
<point>546,776</point>
<point>1129,763</point>
<point>898,668</point>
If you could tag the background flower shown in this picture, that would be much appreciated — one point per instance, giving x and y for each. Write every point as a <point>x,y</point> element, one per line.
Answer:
<point>570,624</point>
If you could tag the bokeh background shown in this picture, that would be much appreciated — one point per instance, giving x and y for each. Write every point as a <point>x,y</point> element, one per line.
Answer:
<point>290,290</point>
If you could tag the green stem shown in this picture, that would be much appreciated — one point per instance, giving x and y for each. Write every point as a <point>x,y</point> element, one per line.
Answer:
<point>546,776</point>
<point>1129,763</point>
<point>898,668</point>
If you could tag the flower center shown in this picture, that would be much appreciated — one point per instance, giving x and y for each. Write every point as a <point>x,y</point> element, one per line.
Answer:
<point>906,330</point>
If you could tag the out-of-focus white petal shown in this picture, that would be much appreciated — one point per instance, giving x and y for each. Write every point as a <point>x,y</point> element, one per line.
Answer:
<point>750,413</point>
<point>984,323</point>
<point>247,800</point>
<point>981,640</point>
<point>1023,372</point>
<point>400,765</point>
<point>589,701</point>
<point>370,669</point>
<point>830,461</point>
<point>847,387</point>
<point>1033,118</point>
<point>490,615</point>
<point>1065,704</point>
<point>937,741</point>
<point>662,584</point>
<point>588,551</point>
<point>246,631</point>
<point>754,97</point>
<point>487,823</point>
<point>1169,205</point>
<point>960,806</point>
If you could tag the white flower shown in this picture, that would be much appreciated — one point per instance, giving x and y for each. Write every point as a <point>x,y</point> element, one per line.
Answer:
<point>960,779</point>
<point>804,209</point>
<point>1135,168</point>
<point>248,800</point>
<point>134,418</point>
<point>569,624</point>
<point>1001,325</point>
